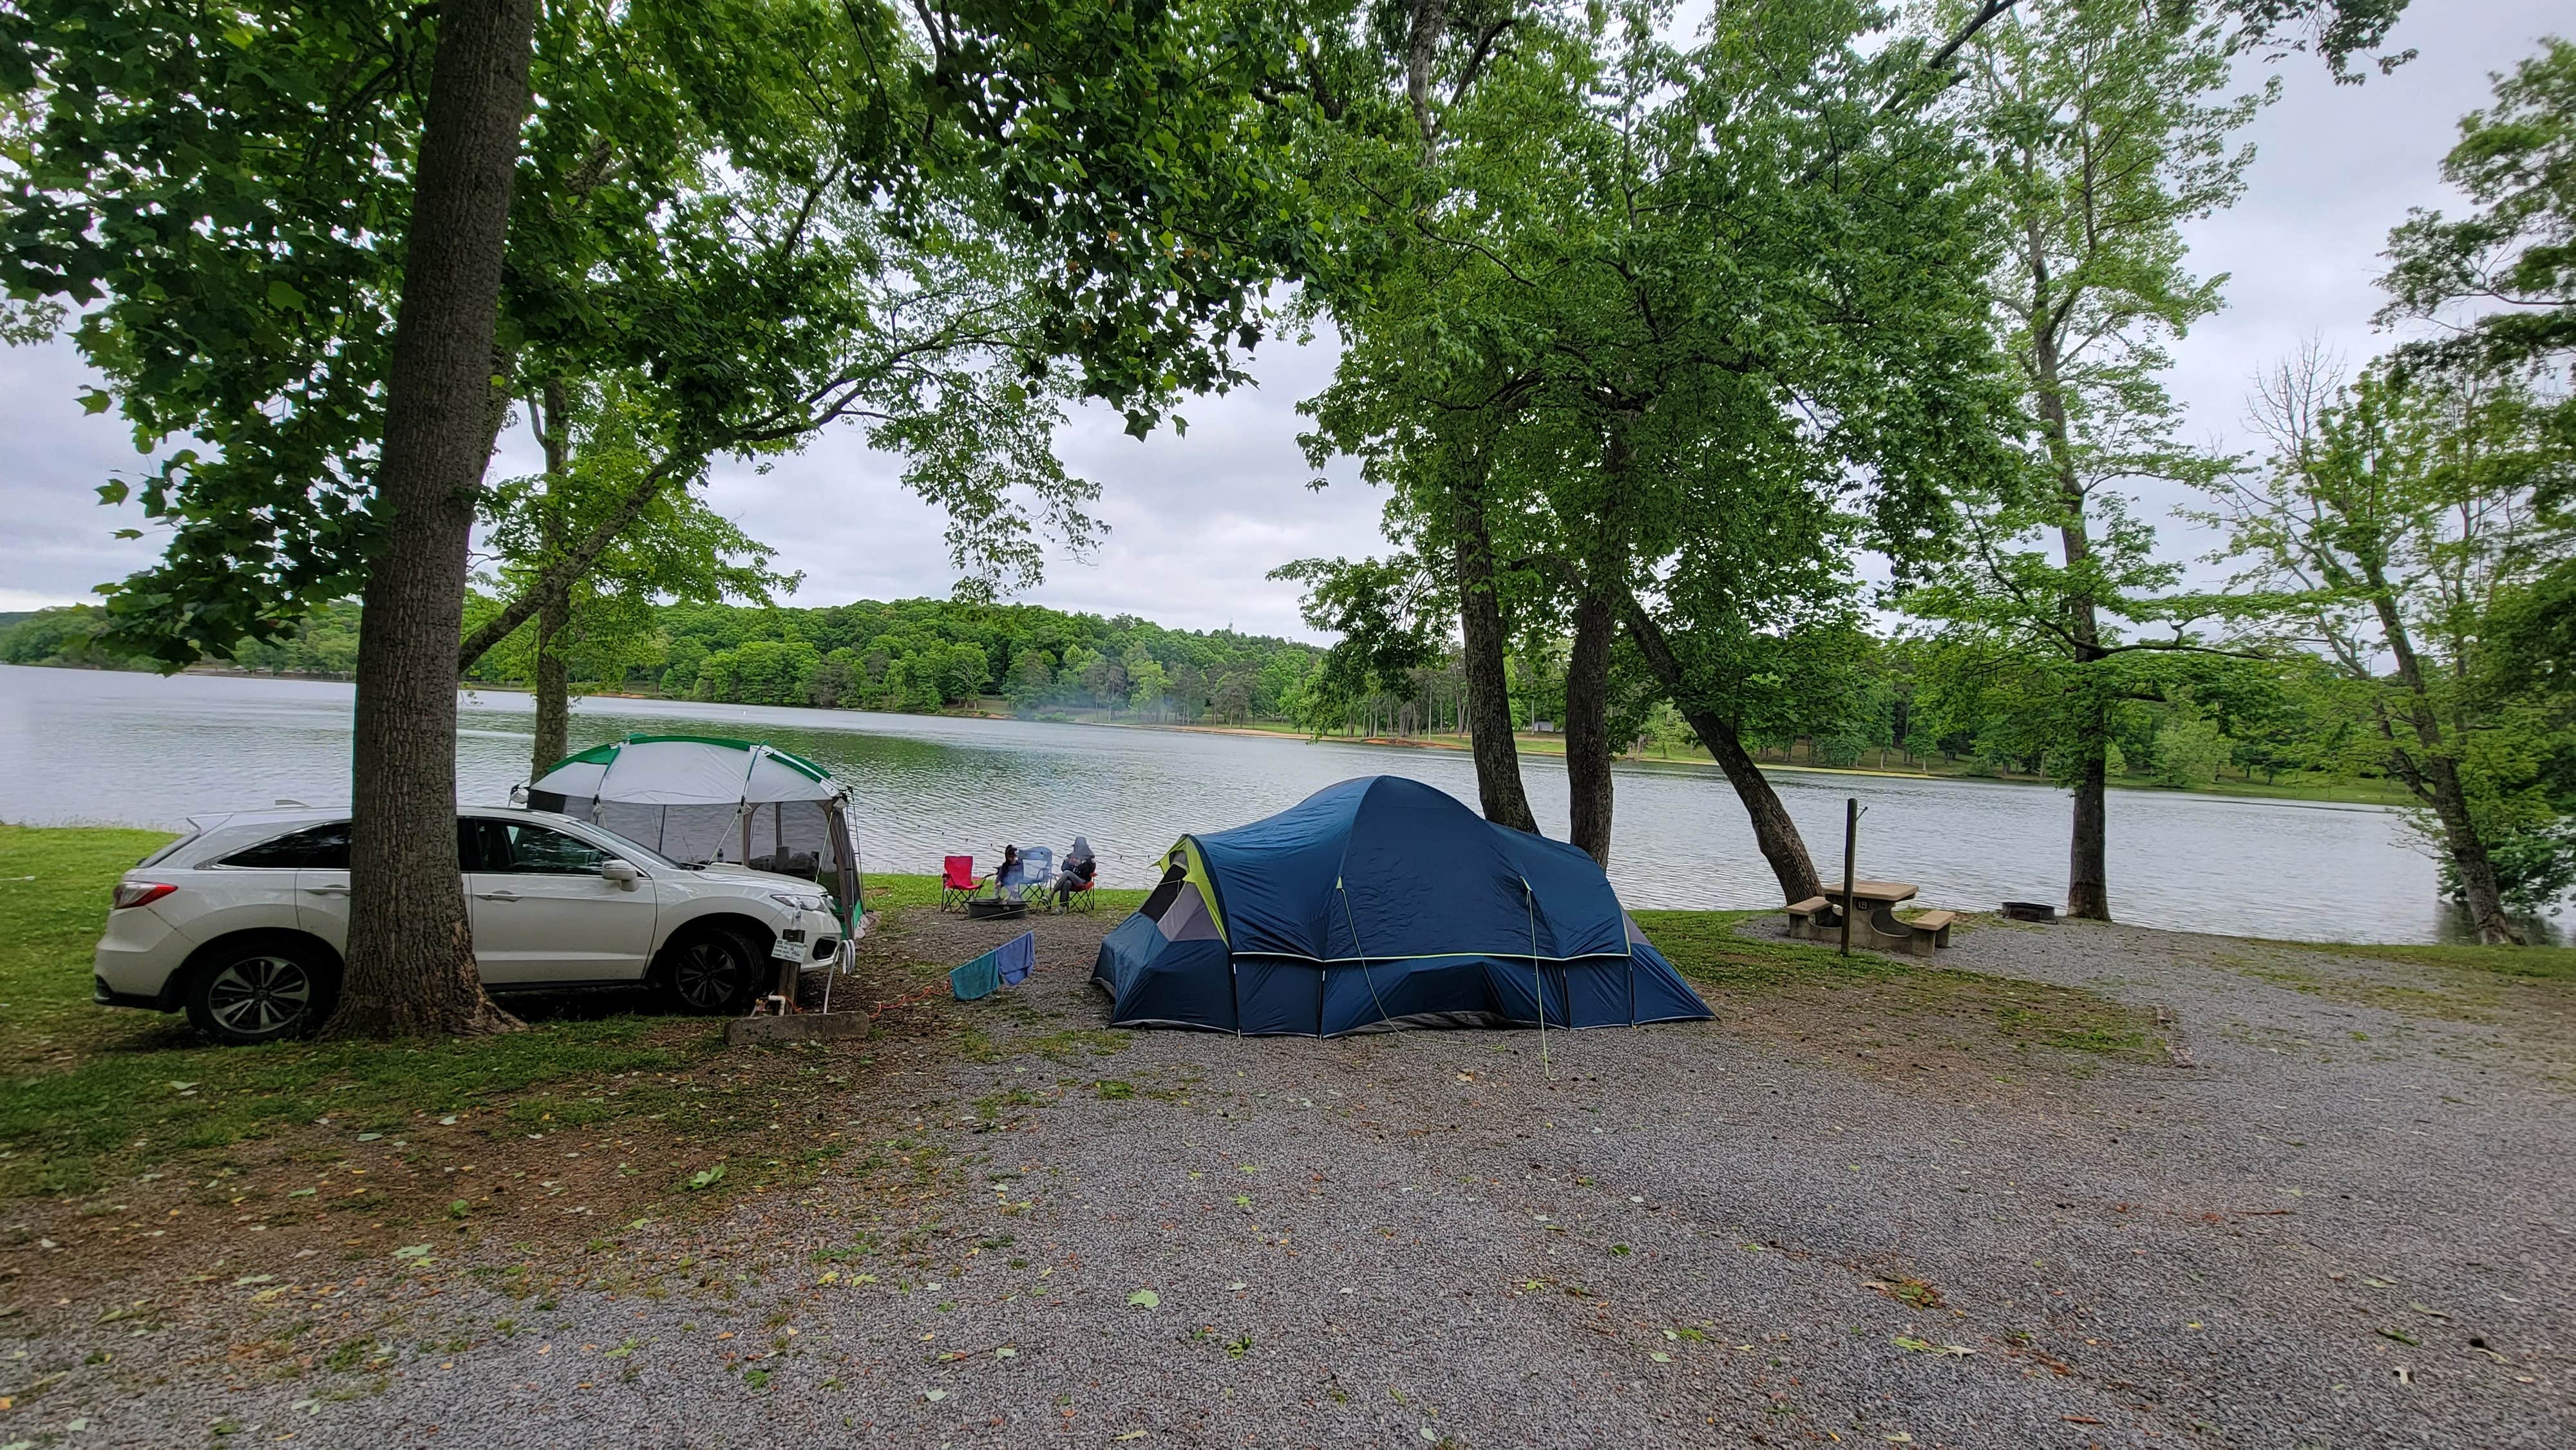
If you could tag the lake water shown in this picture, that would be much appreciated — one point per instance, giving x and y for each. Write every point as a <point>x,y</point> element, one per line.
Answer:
<point>91,747</point>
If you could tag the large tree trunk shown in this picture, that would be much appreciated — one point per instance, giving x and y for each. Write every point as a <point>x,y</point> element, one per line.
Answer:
<point>2088,877</point>
<point>410,964</point>
<point>2468,851</point>
<point>1773,831</point>
<point>1587,723</point>
<point>1480,625</point>
<point>2435,779</point>
<point>2088,884</point>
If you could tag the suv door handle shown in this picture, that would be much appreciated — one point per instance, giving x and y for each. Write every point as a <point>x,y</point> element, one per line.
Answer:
<point>496,896</point>
<point>326,890</point>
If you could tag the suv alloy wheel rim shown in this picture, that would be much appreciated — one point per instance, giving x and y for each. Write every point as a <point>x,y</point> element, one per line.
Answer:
<point>704,974</point>
<point>260,994</point>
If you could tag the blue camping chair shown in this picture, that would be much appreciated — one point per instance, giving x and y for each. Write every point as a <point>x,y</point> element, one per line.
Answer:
<point>1033,875</point>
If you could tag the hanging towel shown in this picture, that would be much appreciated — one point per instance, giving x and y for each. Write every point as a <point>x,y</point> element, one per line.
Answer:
<point>1006,965</point>
<point>1016,958</point>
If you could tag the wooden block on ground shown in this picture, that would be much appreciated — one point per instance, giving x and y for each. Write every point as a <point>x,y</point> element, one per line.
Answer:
<point>802,1027</point>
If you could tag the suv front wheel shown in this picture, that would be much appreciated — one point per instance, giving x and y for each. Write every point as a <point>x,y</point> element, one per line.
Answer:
<point>712,970</point>
<point>261,989</point>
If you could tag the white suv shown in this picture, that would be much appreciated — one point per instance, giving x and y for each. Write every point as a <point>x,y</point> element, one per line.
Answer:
<point>242,921</point>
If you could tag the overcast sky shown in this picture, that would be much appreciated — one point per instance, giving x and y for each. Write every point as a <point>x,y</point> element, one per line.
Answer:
<point>1197,522</point>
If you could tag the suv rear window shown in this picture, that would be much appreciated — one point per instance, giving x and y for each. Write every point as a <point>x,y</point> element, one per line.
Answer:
<point>315,848</point>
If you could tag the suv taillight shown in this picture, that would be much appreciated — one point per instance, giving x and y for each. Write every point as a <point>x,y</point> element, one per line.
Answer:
<point>138,893</point>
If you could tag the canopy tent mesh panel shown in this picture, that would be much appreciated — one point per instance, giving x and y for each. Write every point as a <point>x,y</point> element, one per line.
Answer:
<point>702,799</point>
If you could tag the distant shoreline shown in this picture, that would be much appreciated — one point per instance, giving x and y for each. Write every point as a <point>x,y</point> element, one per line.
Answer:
<point>2269,795</point>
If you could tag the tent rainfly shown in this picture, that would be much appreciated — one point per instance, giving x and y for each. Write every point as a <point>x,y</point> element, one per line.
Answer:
<point>698,799</point>
<point>1383,902</point>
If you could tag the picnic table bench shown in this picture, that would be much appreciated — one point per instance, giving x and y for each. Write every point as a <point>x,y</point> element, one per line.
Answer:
<point>1874,919</point>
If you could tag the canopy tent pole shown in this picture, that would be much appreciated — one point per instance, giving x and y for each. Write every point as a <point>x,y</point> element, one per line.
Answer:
<point>599,792</point>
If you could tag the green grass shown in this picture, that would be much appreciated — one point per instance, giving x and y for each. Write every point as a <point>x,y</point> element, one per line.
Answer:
<point>887,892</point>
<point>91,1092</point>
<point>2547,963</point>
<point>1705,945</point>
<point>1900,999</point>
<point>88,1093</point>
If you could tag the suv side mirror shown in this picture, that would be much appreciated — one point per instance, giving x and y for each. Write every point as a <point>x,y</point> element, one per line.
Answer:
<point>622,873</point>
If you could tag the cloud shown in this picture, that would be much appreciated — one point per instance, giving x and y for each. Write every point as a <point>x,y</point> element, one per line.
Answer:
<point>1197,521</point>
<point>2335,168</point>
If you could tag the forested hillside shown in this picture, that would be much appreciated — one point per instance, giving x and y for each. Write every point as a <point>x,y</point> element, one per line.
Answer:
<point>910,655</point>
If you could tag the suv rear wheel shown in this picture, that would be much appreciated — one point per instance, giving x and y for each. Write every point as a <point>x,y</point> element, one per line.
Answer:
<point>260,989</point>
<point>712,970</point>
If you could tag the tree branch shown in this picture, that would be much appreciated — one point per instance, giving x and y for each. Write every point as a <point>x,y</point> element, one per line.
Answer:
<point>561,573</point>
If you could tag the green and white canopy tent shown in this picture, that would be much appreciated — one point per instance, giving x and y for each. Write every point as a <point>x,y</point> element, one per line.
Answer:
<point>700,799</point>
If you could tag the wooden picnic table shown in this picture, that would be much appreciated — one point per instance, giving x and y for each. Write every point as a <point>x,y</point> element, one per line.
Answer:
<point>1874,893</point>
<point>1874,919</point>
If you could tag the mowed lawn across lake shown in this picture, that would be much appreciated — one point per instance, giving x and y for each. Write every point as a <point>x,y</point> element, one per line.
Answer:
<point>2068,1185</point>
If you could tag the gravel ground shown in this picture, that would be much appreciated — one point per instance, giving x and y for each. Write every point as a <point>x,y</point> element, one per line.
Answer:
<point>2340,1217</point>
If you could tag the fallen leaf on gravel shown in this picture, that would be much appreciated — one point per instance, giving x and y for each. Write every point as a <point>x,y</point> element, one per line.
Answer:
<point>303,1192</point>
<point>1910,1291</point>
<point>1130,1435</point>
<point>934,1396</point>
<point>253,1279</point>
<point>369,1137</point>
<point>412,1251</point>
<point>1005,1352</point>
<point>2400,1335</point>
<point>1144,1299</point>
<point>1925,1346</point>
<point>1660,1358</point>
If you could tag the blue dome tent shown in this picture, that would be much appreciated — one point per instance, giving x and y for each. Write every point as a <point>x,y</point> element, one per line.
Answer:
<point>1383,902</point>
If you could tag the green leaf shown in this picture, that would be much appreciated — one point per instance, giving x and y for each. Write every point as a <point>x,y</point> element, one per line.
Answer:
<point>94,402</point>
<point>1144,1299</point>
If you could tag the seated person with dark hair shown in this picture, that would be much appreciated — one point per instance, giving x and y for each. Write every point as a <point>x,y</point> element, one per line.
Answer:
<point>1079,866</point>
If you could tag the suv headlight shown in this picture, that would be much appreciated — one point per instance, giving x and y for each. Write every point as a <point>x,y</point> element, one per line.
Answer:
<point>794,902</point>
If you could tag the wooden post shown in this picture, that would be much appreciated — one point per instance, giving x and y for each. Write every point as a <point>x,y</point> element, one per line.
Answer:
<point>1851,840</point>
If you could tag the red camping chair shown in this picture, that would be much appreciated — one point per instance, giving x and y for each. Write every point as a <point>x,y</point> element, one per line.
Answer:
<point>957,881</point>
<point>1081,899</point>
